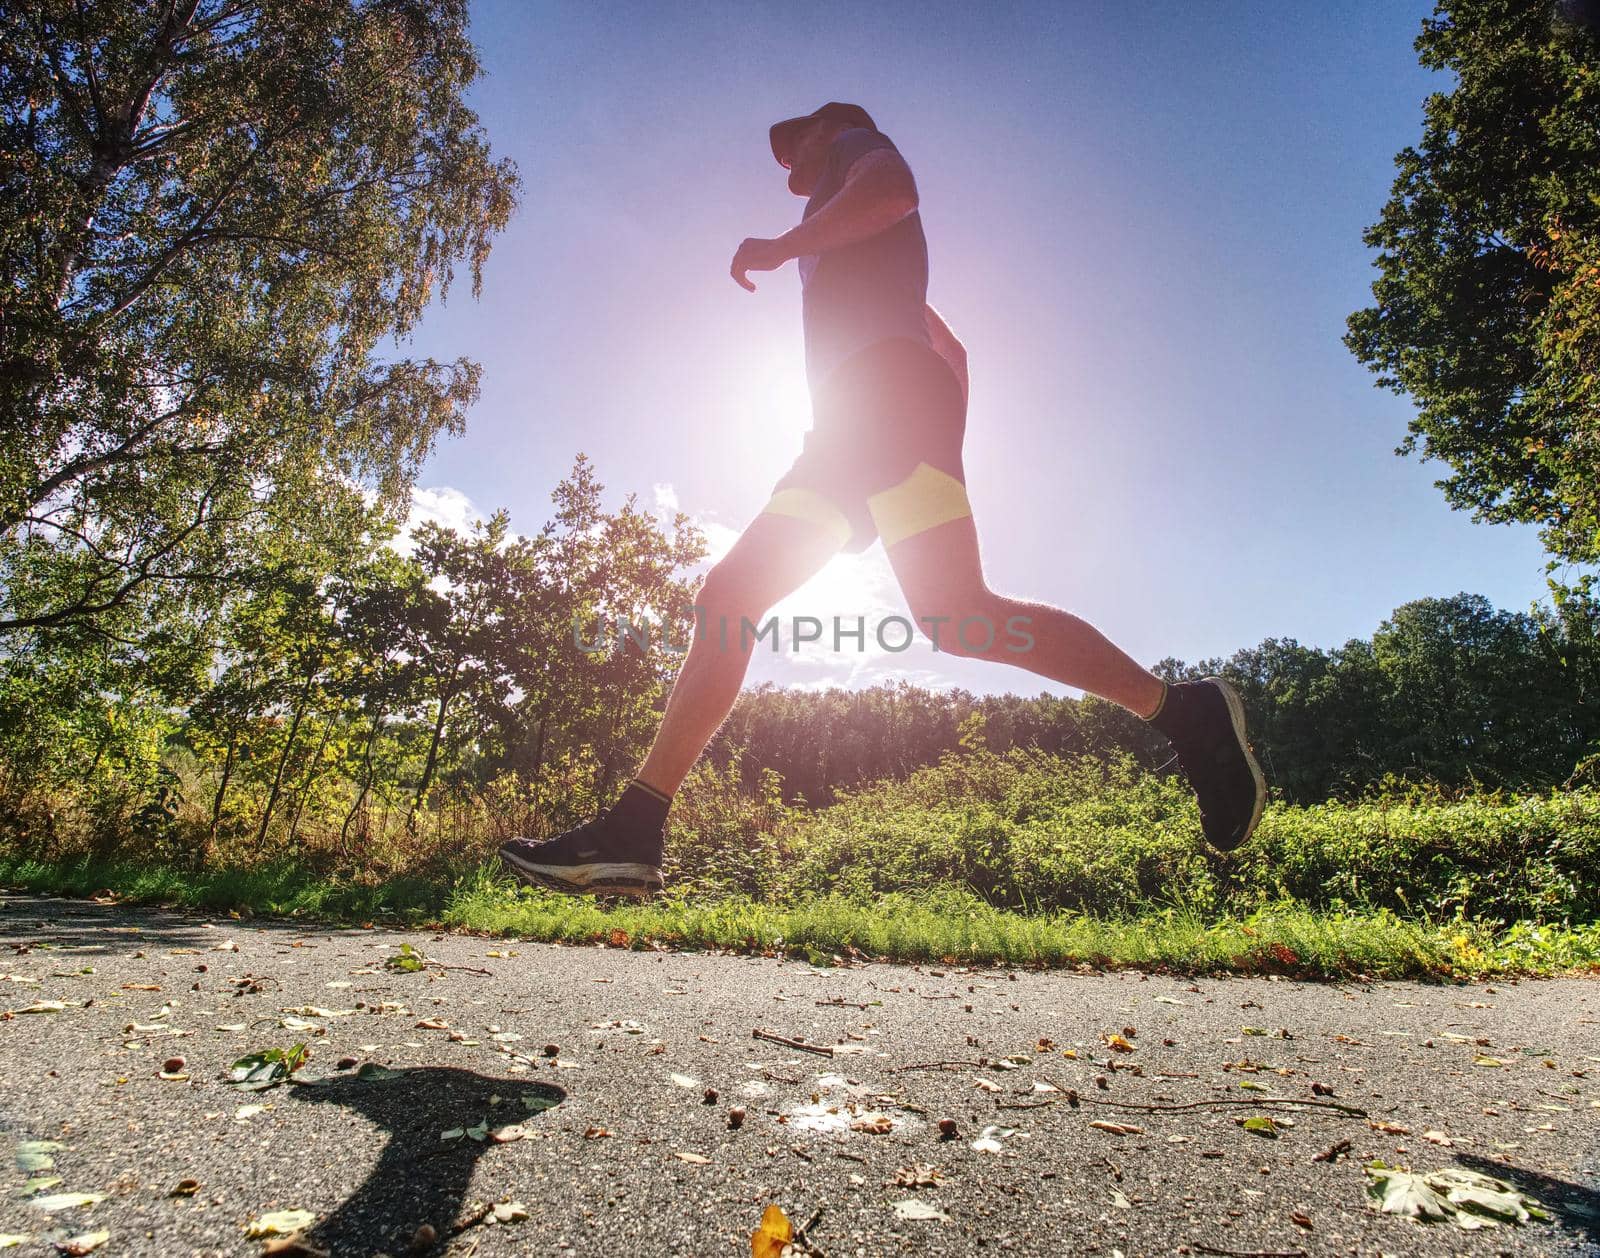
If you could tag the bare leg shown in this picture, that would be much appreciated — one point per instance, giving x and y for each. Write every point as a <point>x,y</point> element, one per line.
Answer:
<point>773,558</point>
<point>941,574</point>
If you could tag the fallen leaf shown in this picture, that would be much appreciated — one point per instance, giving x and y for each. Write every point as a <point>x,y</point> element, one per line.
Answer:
<point>1261,1125</point>
<point>986,1085</point>
<point>280,1223</point>
<point>918,1175</point>
<point>34,1155</point>
<point>694,1159</point>
<point>66,1201</point>
<point>510,1212</point>
<point>83,1243</point>
<point>913,1209</point>
<point>1438,1137</point>
<point>505,1135</point>
<point>1467,1198</point>
<point>1388,1129</point>
<point>1117,1129</point>
<point>989,1139</point>
<point>773,1235</point>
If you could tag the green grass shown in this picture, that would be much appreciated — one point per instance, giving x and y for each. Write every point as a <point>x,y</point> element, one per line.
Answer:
<point>949,925</point>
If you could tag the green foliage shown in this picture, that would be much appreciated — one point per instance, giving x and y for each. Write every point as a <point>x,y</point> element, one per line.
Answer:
<point>1447,690</point>
<point>216,216</point>
<point>1027,831</point>
<point>267,1068</point>
<point>1487,302</point>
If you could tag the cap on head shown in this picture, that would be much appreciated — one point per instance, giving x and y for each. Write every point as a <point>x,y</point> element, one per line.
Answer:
<point>782,134</point>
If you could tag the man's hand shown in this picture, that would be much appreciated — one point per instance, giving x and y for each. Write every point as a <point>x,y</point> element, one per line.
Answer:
<point>757,254</point>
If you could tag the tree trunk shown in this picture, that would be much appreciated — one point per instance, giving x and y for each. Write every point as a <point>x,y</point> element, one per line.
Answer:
<point>311,776</point>
<point>283,760</point>
<point>430,766</point>
<point>366,784</point>
<point>222,788</point>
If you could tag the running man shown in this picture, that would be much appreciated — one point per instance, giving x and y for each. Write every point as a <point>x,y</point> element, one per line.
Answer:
<point>888,382</point>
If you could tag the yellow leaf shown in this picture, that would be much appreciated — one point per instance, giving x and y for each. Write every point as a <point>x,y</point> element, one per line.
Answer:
<point>768,1240</point>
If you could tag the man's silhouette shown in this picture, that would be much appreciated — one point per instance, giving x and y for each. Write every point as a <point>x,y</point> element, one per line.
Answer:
<point>888,383</point>
<point>420,1178</point>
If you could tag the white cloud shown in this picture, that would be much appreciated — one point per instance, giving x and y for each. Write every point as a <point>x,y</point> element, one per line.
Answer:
<point>440,504</point>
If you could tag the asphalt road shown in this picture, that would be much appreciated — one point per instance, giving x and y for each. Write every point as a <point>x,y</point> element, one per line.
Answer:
<point>599,1061</point>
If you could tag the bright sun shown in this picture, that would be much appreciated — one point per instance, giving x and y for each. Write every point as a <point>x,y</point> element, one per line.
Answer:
<point>771,386</point>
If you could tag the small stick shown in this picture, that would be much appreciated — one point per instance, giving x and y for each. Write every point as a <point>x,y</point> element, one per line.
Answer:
<point>800,1232</point>
<point>1332,1152</point>
<point>825,1050</point>
<point>467,969</point>
<point>837,1003</point>
<point>1248,1253</point>
<point>777,1078</point>
<point>938,1065</point>
<point>1229,1100</point>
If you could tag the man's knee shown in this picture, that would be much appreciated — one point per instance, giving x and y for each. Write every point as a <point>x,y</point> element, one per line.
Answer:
<point>968,622</point>
<point>724,589</point>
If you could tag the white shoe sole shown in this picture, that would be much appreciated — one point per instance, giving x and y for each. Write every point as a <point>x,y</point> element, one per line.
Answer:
<point>1236,715</point>
<point>631,878</point>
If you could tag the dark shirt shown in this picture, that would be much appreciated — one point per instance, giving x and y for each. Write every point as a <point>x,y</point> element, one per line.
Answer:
<point>863,293</point>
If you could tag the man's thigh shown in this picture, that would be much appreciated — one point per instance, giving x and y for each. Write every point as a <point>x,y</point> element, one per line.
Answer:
<point>779,551</point>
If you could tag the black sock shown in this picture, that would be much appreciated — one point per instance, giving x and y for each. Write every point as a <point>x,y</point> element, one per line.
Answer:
<point>1172,715</point>
<point>642,808</point>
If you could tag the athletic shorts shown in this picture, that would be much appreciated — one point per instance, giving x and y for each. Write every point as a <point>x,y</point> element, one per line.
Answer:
<point>883,456</point>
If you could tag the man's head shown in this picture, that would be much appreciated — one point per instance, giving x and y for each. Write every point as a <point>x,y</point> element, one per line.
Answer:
<point>801,144</point>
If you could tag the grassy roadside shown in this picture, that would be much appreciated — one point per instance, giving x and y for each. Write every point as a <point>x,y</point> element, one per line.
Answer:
<point>943,926</point>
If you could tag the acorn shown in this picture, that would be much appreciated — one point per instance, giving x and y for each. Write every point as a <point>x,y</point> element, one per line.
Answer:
<point>736,1118</point>
<point>711,1096</point>
<point>173,1065</point>
<point>947,1129</point>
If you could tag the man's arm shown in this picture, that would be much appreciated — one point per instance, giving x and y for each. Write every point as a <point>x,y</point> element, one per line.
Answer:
<point>947,346</point>
<point>878,192</point>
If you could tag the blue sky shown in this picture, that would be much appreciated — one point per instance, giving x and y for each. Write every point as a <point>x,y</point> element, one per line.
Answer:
<point>1144,221</point>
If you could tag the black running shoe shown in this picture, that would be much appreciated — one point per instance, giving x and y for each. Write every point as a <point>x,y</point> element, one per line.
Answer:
<point>596,858</point>
<point>1216,758</point>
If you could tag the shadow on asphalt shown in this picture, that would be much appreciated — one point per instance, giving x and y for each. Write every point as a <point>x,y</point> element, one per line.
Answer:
<point>420,1178</point>
<point>1576,1207</point>
<point>28,920</point>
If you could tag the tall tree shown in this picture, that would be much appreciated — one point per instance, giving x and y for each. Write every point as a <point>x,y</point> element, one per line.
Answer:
<point>213,215</point>
<point>1487,309</point>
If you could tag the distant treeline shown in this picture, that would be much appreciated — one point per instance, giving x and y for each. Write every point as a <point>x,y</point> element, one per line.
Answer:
<point>1447,690</point>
